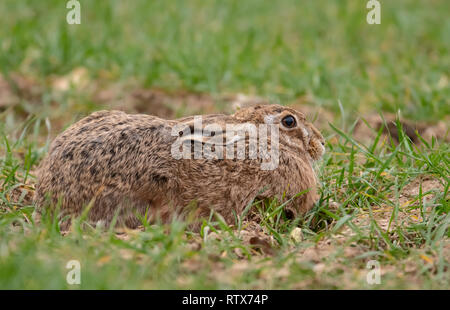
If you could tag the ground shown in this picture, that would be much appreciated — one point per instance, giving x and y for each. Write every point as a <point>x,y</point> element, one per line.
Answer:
<point>379,93</point>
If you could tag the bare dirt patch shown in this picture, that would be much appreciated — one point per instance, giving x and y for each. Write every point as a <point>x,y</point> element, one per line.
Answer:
<point>367,127</point>
<point>170,105</point>
<point>15,88</point>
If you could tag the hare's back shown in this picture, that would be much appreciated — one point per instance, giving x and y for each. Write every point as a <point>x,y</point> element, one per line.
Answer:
<point>109,145</point>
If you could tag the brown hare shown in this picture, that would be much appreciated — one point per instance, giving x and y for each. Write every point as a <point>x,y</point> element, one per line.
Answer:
<point>132,165</point>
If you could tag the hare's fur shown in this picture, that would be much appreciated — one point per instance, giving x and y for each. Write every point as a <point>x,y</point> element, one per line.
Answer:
<point>121,163</point>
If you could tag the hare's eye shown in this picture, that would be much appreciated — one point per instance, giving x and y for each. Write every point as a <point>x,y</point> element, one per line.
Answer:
<point>289,121</point>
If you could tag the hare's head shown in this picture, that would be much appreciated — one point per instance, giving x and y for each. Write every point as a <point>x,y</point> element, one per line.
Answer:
<point>296,133</point>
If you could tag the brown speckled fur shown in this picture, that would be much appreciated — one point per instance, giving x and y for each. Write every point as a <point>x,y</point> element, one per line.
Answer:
<point>123,163</point>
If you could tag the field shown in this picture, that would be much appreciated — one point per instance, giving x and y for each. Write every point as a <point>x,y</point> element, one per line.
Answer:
<point>379,94</point>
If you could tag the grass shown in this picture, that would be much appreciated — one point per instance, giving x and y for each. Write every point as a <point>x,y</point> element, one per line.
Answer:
<point>380,200</point>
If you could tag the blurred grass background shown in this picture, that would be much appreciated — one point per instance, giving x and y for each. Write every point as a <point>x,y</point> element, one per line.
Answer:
<point>322,49</point>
